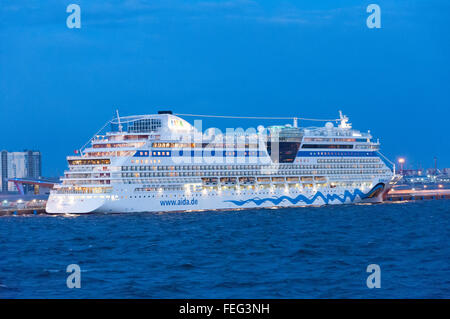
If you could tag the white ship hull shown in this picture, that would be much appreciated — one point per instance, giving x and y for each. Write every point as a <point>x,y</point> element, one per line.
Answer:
<point>177,201</point>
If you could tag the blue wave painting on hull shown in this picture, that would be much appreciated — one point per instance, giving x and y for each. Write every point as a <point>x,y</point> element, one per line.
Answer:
<point>302,198</point>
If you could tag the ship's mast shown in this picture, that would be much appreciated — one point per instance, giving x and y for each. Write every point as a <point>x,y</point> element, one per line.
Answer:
<point>118,121</point>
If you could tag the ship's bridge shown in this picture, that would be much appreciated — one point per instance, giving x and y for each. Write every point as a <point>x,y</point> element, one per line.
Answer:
<point>163,123</point>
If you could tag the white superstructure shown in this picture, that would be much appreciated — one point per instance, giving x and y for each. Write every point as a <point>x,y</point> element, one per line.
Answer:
<point>160,162</point>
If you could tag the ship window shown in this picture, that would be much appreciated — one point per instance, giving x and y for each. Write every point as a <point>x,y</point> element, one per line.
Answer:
<point>346,146</point>
<point>144,126</point>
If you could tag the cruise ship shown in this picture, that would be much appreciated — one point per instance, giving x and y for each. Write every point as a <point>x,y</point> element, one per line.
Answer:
<point>162,163</point>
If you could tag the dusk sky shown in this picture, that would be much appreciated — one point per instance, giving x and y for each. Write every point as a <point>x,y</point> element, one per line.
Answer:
<point>58,86</point>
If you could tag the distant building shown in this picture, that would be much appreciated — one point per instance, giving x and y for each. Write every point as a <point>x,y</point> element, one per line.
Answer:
<point>413,172</point>
<point>443,179</point>
<point>413,179</point>
<point>440,171</point>
<point>26,164</point>
<point>432,171</point>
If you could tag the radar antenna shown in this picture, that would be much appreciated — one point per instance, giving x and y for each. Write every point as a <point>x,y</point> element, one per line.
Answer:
<point>344,121</point>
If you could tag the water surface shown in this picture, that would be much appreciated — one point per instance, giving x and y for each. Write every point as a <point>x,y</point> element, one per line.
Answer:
<point>320,252</point>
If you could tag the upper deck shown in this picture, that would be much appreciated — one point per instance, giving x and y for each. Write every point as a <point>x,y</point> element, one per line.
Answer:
<point>166,132</point>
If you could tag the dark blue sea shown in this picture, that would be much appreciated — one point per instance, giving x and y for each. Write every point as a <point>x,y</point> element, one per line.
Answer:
<point>320,252</point>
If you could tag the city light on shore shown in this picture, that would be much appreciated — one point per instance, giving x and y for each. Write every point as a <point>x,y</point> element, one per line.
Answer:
<point>401,161</point>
